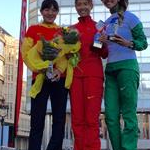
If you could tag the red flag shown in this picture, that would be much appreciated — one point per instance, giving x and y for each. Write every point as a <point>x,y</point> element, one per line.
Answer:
<point>20,66</point>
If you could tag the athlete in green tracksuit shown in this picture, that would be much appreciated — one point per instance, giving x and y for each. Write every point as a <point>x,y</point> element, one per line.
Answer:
<point>122,73</point>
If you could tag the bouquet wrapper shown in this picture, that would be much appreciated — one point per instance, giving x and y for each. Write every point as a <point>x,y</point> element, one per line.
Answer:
<point>37,86</point>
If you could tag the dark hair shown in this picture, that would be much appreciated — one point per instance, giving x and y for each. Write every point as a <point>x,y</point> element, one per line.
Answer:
<point>49,4</point>
<point>87,0</point>
<point>123,4</point>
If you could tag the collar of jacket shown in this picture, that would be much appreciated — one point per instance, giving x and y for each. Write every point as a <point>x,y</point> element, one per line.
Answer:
<point>85,19</point>
<point>53,25</point>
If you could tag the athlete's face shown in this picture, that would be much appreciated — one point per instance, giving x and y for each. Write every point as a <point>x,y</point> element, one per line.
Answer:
<point>110,3</point>
<point>49,14</point>
<point>84,7</point>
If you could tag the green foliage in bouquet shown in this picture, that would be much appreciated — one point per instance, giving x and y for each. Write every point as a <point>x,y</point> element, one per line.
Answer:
<point>70,35</point>
<point>49,51</point>
<point>74,59</point>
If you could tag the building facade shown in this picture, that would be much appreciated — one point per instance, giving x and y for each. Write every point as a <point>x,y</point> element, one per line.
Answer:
<point>9,47</point>
<point>8,76</point>
<point>11,61</point>
<point>2,62</point>
<point>68,16</point>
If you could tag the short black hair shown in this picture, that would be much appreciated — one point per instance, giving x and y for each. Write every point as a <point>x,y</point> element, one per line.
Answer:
<point>49,4</point>
<point>78,0</point>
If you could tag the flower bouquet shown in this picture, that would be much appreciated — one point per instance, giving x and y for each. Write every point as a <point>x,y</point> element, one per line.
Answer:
<point>49,52</point>
<point>71,36</point>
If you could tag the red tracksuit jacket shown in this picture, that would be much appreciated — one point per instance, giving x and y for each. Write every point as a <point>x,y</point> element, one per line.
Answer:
<point>90,64</point>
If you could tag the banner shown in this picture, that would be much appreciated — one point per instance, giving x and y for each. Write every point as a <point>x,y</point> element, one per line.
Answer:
<point>20,66</point>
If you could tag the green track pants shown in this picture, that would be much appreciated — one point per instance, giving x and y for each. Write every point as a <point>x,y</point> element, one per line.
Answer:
<point>121,98</point>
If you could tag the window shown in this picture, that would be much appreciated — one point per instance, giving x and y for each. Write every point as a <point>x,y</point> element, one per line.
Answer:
<point>74,18</point>
<point>144,89</point>
<point>33,5</point>
<point>1,68</point>
<point>146,53</point>
<point>1,87</point>
<point>145,6</point>
<point>57,20</point>
<point>74,10</point>
<point>137,13</point>
<point>143,124</point>
<point>144,17</point>
<point>65,10</point>
<point>146,24</point>
<point>99,8</point>
<point>65,19</point>
<point>1,48</point>
<point>99,16</point>
<point>134,7</point>
<point>40,18</point>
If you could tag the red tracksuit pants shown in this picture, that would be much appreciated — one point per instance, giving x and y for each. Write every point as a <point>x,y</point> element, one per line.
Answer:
<point>86,96</point>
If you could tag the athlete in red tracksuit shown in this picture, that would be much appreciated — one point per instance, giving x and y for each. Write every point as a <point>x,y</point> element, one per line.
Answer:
<point>87,86</point>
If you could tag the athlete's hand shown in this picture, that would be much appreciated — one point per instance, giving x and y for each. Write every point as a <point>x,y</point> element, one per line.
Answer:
<point>56,75</point>
<point>122,41</point>
<point>103,38</point>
